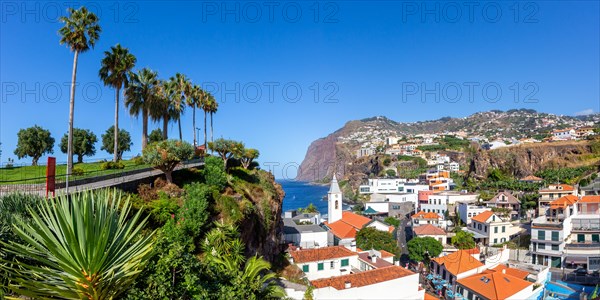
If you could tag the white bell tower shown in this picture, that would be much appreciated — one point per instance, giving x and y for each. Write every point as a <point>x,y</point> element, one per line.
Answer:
<point>334,199</point>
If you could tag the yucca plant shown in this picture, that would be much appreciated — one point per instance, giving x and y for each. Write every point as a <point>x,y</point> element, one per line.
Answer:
<point>82,247</point>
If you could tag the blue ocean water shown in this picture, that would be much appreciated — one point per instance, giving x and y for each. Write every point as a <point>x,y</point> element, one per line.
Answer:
<point>300,194</point>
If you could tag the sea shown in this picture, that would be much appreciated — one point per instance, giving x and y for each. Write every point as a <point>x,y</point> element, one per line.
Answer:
<point>300,194</point>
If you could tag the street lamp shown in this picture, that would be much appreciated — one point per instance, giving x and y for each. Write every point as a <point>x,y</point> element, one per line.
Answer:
<point>196,143</point>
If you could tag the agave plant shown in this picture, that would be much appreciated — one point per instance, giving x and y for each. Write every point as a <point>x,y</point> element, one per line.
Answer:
<point>82,247</point>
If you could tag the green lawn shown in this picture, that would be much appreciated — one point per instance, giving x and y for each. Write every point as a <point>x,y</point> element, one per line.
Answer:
<point>36,174</point>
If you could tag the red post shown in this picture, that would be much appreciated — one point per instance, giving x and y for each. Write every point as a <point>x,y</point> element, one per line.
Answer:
<point>51,176</point>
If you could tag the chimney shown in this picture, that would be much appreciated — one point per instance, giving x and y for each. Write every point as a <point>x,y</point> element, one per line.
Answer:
<point>374,259</point>
<point>347,284</point>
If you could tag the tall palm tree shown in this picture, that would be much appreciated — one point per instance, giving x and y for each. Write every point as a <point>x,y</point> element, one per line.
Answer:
<point>160,113</point>
<point>214,106</point>
<point>80,33</point>
<point>181,86</point>
<point>141,97</point>
<point>79,247</point>
<point>114,72</point>
<point>206,105</point>
<point>195,100</point>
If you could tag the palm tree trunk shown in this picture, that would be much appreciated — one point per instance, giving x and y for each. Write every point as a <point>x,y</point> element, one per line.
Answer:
<point>194,124</point>
<point>71,115</point>
<point>144,128</point>
<point>165,126</point>
<point>205,148</point>
<point>211,127</point>
<point>179,125</point>
<point>116,133</point>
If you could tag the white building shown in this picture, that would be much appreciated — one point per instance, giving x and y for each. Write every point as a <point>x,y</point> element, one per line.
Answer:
<point>563,134</point>
<point>383,186</point>
<point>490,229</point>
<point>392,282</point>
<point>324,262</point>
<point>334,201</point>
<point>431,231</point>
<point>303,230</point>
<point>583,247</point>
<point>468,210</point>
<point>392,140</point>
<point>365,152</point>
<point>453,166</point>
<point>443,201</point>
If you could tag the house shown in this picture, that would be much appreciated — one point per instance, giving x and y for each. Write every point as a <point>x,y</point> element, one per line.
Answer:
<point>383,186</point>
<point>373,259</point>
<point>563,134</point>
<point>458,265</point>
<point>303,230</point>
<point>531,179</point>
<point>343,225</point>
<point>551,193</point>
<point>429,230</point>
<point>507,201</point>
<point>549,233</point>
<point>496,284</point>
<point>393,282</point>
<point>423,218</point>
<point>453,166</point>
<point>584,132</point>
<point>467,210</point>
<point>324,262</point>
<point>584,242</point>
<point>490,229</point>
<point>591,189</point>
<point>445,201</point>
<point>385,207</point>
<point>365,152</point>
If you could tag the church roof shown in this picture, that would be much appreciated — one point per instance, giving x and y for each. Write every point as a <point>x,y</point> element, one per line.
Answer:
<point>334,188</point>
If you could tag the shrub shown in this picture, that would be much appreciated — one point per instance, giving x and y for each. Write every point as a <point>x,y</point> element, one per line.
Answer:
<point>138,160</point>
<point>163,209</point>
<point>78,171</point>
<point>111,165</point>
<point>214,172</point>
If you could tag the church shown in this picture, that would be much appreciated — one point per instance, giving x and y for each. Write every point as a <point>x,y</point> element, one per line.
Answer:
<point>342,226</point>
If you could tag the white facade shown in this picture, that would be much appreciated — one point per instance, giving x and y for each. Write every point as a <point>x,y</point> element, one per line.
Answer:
<point>328,267</point>
<point>453,166</point>
<point>365,152</point>
<point>565,134</point>
<point>334,202</point>
<point>495,229</point>
<point>392,140</point>
<point>400,288</point>
<point>383,186</point>
<point>467,210</point>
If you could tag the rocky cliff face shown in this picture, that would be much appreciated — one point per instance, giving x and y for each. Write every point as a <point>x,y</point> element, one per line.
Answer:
<point>262,226</point>
<point>527,159</point>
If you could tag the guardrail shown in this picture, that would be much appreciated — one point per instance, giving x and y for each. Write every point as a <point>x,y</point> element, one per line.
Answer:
<point>37,185</point>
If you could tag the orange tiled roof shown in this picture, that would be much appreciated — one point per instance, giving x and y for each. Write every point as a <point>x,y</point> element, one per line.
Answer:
<point>428,229</point>
<point>319,254</point>
<point>363,278</point>
<point>590,199</point>
<point>424,215</point>
<point>473,251</point>
<point>498,286</point>
<point>386,254</point>
<point>565,188</point>
<point>430,297</point>
<point>342,229</point>
<point>356,221</point>
<point>512,271</point>
<point>458,262</point>
<point>564,201</point>
<point>482,217</point>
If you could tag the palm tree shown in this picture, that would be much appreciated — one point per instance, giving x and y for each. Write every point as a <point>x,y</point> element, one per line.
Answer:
<point>114,72</point>
<point>80,33</point>
<point>214,106</point>
<point>206,105</point>
<point>79,247</point>
<point>181,86</point>
<point>141,98</point>
<point>255,280</point>
<point>195,100</point>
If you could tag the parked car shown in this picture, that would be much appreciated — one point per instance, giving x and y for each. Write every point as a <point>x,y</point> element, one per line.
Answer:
<point>581,272</point>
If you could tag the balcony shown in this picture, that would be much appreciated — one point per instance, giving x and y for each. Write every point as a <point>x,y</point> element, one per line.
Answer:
<point>583,246</point>
<point>585,228</point>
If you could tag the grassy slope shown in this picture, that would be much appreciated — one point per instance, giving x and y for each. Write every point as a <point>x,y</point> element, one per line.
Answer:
<point>36,174</point>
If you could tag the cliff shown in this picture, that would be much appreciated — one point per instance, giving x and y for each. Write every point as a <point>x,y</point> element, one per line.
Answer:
<point>528,159</point>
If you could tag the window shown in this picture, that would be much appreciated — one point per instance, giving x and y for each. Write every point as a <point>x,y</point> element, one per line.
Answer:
<point>331,264</point>
<point>581,238</point>
<point>541,235</point>
<point>542,246</point>
<point>320,267</point>
<point>555,235</point>
<point>595,238</point>
<point>495,241</point>
<point>479,226</point>
<point>305,268</point>
<point>495,229</point>
<point>485,228</point>
<point>503,228</point>
<point>345,262</point>
<point>337,204</point>
<point>555,247</point>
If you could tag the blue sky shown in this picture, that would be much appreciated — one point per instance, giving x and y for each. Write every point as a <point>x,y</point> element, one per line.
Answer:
<point>363,58</point>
